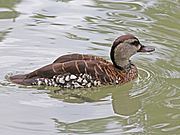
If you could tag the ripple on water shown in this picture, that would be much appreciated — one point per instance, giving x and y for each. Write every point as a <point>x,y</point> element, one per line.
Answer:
<point>116,5</point>
<point>128,18</point>
<point>173,102</point>
<point>142,83</point>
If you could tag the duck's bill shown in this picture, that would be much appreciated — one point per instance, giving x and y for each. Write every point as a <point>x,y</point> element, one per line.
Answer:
<point>146,49</point>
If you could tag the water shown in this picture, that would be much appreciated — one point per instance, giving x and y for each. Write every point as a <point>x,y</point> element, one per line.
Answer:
<point>33,33</point>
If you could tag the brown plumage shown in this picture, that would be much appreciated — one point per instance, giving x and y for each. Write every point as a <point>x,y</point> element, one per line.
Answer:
<point>79,70</point>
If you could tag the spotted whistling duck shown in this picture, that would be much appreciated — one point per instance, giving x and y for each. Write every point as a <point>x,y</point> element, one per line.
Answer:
<point>80,70</point>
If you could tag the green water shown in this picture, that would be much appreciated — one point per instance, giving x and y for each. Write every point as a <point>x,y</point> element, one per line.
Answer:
<point>33,33</point>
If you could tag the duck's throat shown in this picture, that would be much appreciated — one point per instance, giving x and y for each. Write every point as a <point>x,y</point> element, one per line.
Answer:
<point>123,64</point>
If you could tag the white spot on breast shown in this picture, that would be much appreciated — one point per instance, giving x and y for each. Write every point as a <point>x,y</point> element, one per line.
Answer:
<point>46,81</point>
<point>54,77</point>
<point>89,85</point>
<point>79,79</point>
<point>84,76</point>
<point>98,82</point>
<point>55,85</point>
<point>61,80</point>
<point>77,85</point>
<point>50,84</point>
<point>58,77</point>
<point>95,83</point>
<point>67,78</point>
<point>73,77</point>
<point>39,82</point>
<point>84,81</point>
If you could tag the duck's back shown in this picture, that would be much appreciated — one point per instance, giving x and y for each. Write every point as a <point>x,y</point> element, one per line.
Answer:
<point>73,57</point>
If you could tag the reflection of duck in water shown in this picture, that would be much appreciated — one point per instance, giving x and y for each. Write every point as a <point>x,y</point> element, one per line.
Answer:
<point>78,70</point>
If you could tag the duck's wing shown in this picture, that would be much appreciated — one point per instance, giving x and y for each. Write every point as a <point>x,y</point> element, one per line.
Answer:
<point>72,57</point>
<point>74,67</point>
<point>97,69</point>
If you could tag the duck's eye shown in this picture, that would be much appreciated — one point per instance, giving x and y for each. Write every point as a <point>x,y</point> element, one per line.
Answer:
<point>136,43</point>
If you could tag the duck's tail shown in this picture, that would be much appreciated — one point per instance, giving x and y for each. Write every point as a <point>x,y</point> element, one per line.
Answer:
<point>20,79</point>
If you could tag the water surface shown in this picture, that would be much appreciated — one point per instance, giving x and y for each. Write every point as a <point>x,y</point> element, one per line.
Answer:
<point>33,33</point>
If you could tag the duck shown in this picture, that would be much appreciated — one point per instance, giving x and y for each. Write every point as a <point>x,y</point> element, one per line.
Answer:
<point>85,71</point>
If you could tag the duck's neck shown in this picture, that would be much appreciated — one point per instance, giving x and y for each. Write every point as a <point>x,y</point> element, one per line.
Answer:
<point>123,64</point>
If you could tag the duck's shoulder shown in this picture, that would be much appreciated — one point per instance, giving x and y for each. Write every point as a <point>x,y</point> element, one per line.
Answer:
<point>74,57</point>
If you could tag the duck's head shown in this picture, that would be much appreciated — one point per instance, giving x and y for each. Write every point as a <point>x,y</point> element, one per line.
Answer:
<point>124,47</point>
